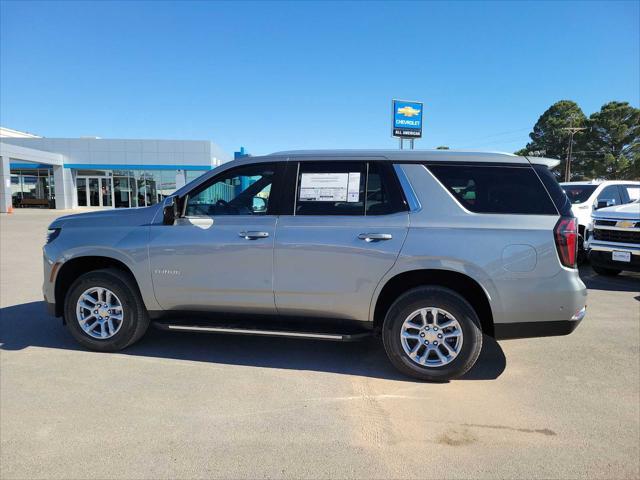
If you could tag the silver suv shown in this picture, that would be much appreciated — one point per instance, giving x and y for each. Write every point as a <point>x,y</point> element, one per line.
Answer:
<point>429,249</point>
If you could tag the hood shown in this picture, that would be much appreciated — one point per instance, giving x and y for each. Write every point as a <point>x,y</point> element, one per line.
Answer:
<point>114,216</point>
<point>629,211</point>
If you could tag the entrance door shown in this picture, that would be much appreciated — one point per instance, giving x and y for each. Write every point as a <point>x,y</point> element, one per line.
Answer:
<point>95,191</point>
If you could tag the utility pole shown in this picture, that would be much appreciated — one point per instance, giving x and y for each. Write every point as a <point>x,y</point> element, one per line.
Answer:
<point>572,131</point>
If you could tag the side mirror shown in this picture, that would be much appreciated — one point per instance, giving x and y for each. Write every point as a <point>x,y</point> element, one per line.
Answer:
<point>170,210</point>
<point>259,205</point>
<point>604,203</point>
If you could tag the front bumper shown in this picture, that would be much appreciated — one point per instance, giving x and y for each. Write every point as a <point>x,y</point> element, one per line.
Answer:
<point>600,254</point>
<point>508,331</point>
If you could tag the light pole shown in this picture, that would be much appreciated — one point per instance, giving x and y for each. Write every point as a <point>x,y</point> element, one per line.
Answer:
<point>572,132</point>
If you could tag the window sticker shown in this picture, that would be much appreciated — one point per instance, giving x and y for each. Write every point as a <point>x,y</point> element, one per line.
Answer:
<point>324,187</point>
<point>353,188</point>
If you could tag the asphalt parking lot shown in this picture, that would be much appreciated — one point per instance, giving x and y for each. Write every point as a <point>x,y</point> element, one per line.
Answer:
<point>181,405</point>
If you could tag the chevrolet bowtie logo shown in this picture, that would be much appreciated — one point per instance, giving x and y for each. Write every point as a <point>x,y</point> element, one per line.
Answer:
<point>408,111</point>
<point>625,224</point>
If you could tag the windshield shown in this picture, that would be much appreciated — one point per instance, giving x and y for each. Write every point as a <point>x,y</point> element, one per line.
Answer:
<point>579,193</point>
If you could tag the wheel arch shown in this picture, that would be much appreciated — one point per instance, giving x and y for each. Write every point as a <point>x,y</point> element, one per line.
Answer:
<point>74,267</point>
<point>462,284</point>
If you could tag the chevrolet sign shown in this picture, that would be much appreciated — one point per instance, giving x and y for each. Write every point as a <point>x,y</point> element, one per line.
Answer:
<point>407,119</point>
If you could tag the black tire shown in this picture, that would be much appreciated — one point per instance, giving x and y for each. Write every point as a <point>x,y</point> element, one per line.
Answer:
<point>446,299</point>
<point>609,272</point>
<point>135,319</point>
<point>582,256</point>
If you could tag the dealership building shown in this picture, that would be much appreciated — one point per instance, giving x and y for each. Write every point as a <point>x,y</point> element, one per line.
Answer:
<point>66,173</point>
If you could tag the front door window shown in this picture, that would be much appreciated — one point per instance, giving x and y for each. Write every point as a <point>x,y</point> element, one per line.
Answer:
<point>243,191</point>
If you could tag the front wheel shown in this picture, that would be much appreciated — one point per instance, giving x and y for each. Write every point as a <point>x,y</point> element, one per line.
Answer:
<point>104,312</point>
<point>432,333</point>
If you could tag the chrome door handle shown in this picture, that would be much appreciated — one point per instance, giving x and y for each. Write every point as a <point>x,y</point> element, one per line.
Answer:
<point>375,237</point>
<point>253,235</point>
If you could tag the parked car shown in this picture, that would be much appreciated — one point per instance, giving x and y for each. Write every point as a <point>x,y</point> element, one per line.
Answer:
<point>586,197</point>
<point>428,249</point>
<point>614,244</point>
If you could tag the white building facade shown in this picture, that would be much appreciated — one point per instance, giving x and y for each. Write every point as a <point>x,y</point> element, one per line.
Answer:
<point>67,173</point>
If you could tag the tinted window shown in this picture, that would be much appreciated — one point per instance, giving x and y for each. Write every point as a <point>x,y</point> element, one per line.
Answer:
<point>383,195</point>
<point>331,188</point>
<point>579,193</point>
<point>611,195</point>
<point>558,195</point>
<point>241,191</point>
<point>338,188</point>
<point>491,189</point>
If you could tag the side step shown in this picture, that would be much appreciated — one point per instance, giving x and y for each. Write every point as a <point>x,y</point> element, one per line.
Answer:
<point>332,336</point>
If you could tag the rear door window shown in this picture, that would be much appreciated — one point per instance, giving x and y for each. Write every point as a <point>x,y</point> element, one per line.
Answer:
<point>344,188</point>
<point>331,188</point>
<point>496,189</point>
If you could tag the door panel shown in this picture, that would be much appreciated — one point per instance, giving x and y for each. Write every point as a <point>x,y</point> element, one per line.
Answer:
<point>323,268</point>
<point>219,257</point>
<point>204,264</point>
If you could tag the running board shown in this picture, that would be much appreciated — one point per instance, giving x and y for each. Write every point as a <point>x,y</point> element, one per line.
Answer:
<point>332,336</point>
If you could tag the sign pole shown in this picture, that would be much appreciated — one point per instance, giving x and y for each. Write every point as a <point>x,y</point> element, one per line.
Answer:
<point>400,143</point>
<point>411,144</point>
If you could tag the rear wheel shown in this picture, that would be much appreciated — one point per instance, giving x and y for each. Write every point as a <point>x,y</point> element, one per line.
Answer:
<point>432,333</point>
<point>609,272</point>
<point>104,312</point>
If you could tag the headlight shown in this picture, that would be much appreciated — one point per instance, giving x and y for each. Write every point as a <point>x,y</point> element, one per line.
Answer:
<point>52,234</point>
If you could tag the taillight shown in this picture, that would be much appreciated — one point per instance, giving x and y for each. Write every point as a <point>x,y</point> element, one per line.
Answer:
<point>566,235</point>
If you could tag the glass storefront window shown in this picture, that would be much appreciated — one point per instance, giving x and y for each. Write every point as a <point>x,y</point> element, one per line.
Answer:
<point>32,187</point>
<point>193,174</point>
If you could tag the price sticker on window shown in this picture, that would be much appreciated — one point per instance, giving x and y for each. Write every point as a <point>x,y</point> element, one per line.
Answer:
<point>329,187</point>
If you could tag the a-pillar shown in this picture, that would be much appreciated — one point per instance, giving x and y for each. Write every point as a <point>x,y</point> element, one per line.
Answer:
<point>5,185</point>
<point>65,186</point>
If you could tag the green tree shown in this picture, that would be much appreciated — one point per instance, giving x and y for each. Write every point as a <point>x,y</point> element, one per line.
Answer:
<point>442,147</point>
<point>612,149</point>
<point>550,138</point>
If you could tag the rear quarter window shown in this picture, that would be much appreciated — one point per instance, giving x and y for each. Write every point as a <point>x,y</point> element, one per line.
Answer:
<point>496,189</point>
<point>557,194</point>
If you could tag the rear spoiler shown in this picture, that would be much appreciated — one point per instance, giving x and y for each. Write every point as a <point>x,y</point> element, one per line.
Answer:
<point>547,162</point>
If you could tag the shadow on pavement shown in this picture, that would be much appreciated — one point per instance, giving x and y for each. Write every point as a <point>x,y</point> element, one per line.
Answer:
<point>625,282</point>
<point>28,324</point>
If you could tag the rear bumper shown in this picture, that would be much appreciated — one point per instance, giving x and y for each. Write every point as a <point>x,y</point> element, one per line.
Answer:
<point>507,331</point>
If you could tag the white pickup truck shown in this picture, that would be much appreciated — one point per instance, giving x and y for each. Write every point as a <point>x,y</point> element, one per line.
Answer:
<point>614,239</point>
<point>587,197</point>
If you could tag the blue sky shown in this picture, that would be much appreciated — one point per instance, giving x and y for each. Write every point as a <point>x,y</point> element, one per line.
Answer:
<point>273,76</point>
